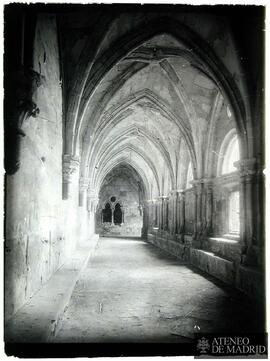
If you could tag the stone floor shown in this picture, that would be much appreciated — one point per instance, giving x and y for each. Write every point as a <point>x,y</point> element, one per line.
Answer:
<point>133,292</point>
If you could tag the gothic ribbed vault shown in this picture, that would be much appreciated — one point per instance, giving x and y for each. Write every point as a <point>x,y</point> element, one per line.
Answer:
<point>133,121</point>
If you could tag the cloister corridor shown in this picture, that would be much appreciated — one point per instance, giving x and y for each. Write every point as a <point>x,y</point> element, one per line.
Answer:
<point>134,176</point>
<point>133,292</point>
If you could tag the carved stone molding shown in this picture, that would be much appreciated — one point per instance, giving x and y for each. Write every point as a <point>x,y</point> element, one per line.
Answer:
<point>176,193</point>
<point>70,167</point>
<point>163,197</point>
<point>20,86</point>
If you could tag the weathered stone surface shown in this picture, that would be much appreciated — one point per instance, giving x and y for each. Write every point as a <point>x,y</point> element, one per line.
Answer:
<point>141,106</point>
<point>120,186</point>
<point>226,248</point>
<point>134,292</point>
<point>35,233</point>
<point>181,251</point>
<point>29,324</point>
<point>214,265</point>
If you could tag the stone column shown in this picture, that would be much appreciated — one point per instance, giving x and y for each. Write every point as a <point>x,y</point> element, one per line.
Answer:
<point>160,204</point>
<point>83,185</point>
<point>174,211</point>
<point>165,201</point>
<point>151,214</point>
<point>70,171</point>
<point>155,210</point>
<point>157,213</point>
<point>112,208</point>
<point>145,221</point>
<point>208,230</point>
<point>181,197</point>
<point>178,213</point>
<point>161,213</point>
<point>251,180</point>
<point>197,186</point>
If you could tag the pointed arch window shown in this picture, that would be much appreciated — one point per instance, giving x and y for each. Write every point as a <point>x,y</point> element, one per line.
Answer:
<point>189,176</point>
<point>117,214</point>
<point>229,154</point>
<point>107,213</point>
<point>234,213</point>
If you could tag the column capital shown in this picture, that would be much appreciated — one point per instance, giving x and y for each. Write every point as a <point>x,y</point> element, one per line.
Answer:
<point>208,181</point>
<point>70,167</point>
<point>177,191</point>
<point>163,197</point>
<point>202,181</point>
<point>197,182</point>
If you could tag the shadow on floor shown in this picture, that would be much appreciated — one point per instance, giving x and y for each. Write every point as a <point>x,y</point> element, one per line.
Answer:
<point>241,313</point>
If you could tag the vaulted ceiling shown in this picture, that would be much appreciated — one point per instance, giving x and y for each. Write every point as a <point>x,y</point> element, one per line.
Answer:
<point>152,108</point>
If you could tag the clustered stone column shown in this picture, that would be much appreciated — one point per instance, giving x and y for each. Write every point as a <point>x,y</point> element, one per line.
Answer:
<point>151,213</point>
<point>198,190</point>
<point>155,213</point>
<point>203,211</point>
<point>165,201</point>
<point>208,201</point>
<point>251,180</point>
<point>177,205</point>
<point>70,172</point>
<point>181,218</point>
<point>159,212</point>
<point>173,205</point>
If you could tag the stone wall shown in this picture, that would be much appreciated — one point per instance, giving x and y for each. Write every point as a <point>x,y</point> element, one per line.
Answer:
<point>220,258</point>
<point>42,229</point>
<point>126,193</point>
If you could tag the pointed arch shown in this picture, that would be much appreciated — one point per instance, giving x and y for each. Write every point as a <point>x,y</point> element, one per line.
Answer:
<point>137,36</point>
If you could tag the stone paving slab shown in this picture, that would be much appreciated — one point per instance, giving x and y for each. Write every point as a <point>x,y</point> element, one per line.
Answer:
<point>133,292</point>
<point>39,318</point>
